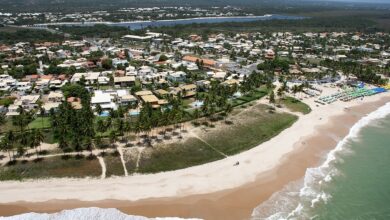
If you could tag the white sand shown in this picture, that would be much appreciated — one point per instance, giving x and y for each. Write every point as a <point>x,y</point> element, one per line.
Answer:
<point>205,178</point>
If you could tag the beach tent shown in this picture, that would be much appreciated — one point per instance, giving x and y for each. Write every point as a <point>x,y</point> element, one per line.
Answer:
<point>379,90</point>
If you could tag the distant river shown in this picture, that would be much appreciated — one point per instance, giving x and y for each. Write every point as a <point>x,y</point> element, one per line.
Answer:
<point>135,25</point>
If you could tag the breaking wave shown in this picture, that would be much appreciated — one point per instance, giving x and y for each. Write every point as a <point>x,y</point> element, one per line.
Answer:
<point>297,199</point>
<point>84,214</point>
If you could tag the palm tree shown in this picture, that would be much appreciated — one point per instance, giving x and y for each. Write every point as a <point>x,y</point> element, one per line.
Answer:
<point>21,150</point>
<point>120,126</point>
<point>100,126</point>
<point>99,109</point>
<point>279,93</point>
<point>87,144</point>
<point>137,129</point>
<point>21,119</point>
<point>29,139</point>
<point>212,111</point>
<point>272,97</point>
<point>10,141</point>
<point>295,89</point>
<point>126,130</point>
<point>42,113</point>
<point>38,138</point>
<point>228,110</point>
<point>285,87</point>
<point>6,147</point>
<point>62,143</point>
<point>2,119</point>
<point>196,114</point>
<point>25,138</point>
<point>113,138</point>
<point>98,142</point>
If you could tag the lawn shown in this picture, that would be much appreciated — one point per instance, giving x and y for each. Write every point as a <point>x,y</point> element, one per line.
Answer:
<point>177,156</point>
<point>51,167</point>
<point>187,102</point>
<point>40,122</point>
<point>37,123</point>
<point>257,94</point>
<point>295,105</point>
<point>249,129</point>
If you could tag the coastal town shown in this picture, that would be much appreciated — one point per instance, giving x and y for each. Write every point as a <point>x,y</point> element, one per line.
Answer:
<point>208,109</point>
<point>132,90</point>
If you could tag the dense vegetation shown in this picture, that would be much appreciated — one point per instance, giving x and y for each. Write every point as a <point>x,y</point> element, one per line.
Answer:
<point>340,23</point>
<point>29,35</point>
<point>262,6</point>
<point>101,31</point>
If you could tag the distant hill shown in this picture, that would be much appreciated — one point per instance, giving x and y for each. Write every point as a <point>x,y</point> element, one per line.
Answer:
<point>88,5</point>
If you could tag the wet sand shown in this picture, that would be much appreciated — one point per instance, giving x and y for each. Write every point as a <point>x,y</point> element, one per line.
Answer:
<point>236,203</point>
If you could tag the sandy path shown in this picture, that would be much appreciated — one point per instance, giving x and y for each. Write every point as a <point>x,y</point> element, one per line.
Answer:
<point>122,160</point>
<point>103,165</point>
<point>140,150</point>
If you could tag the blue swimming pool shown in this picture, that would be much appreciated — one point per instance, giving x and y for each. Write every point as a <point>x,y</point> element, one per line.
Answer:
<point>104,114</point>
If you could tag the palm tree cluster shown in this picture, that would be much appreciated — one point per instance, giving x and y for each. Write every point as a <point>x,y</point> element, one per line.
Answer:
<point>74,128</point>
<point>255,80</point>
<point>216,100</point>
<point>11,141</point>
<point>365,73</point>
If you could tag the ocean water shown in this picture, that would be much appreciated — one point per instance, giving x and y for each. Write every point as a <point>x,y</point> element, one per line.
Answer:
<point>92,213</point>
<point>352,183</point>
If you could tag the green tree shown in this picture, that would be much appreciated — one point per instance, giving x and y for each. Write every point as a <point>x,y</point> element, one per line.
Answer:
<point>99,109</point>
<point>272,97</point>
<point>112,138</point>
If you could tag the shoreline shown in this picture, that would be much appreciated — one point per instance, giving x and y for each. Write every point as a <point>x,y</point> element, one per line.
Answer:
<point>228,193</point>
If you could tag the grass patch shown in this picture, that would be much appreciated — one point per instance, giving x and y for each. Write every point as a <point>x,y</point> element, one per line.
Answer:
<point>253,128</point>
<point>177,156</point>
<point>295,105</point>
<point>51,167</point>
<point>246,130</point>
<point>260,125</point>
<point>114,166</point>
<point>8,126</point>
<point>187,102</point>
<point>257,94</point>
<point>130,160</point>
<point>40,122</point>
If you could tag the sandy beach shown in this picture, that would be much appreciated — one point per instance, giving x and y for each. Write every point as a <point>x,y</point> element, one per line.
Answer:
<point>216,190</point>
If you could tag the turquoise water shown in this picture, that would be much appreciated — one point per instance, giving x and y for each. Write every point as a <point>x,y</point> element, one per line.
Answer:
<point>352,183</point>
<point>361,190</point>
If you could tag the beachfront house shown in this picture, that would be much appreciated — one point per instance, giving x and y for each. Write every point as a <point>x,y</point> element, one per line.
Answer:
<point>55,97</point>
<point>188,90</point>
<point>178,76</point>
<point>90,77</point>
<point>103,98</point>
<point>124,81</point>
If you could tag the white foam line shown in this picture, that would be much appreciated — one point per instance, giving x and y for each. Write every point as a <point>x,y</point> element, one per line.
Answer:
<point>85,214</point>
<point>307,190</point>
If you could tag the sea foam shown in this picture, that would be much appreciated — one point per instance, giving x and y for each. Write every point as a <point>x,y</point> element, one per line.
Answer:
<point>84,214</point>
<point>296,199</point>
